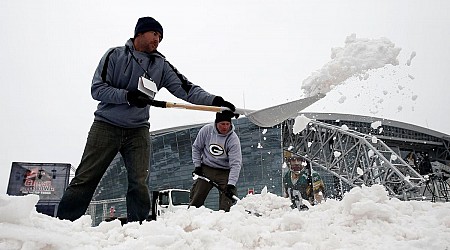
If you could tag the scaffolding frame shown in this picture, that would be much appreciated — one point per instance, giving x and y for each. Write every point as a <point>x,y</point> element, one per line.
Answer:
<point>359,159</point>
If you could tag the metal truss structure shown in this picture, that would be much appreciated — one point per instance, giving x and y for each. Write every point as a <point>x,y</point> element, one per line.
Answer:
<point>358,159</point>
<point>445,152</point>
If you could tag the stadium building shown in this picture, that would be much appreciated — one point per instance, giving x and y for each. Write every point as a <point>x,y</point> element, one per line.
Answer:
<point>412,162</point>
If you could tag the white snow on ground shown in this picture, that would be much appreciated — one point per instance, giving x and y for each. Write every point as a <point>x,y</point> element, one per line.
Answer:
<point>366,218</point>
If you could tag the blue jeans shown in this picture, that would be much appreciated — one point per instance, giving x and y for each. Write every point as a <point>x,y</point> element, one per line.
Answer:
<point>103,143</point>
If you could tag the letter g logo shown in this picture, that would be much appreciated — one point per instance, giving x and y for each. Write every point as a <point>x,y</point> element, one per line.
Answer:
<point>216,150</point>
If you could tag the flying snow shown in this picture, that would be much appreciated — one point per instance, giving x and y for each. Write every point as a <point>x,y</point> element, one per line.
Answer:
<point>300,123</point>
<point>375,124</point>
<point>357,57</point>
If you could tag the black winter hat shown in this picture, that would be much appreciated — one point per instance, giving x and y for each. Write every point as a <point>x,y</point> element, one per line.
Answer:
<point>224,116</point>
<point>145,24</point>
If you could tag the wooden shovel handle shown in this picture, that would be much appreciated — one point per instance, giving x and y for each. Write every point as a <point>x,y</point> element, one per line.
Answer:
<point>163,104</point>
<point>195,107</point>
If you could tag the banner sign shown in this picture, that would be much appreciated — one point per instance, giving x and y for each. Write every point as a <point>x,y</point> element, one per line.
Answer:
<point>48,180</point>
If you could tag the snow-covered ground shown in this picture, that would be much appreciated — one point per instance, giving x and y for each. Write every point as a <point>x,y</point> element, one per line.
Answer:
<point>366,218</point>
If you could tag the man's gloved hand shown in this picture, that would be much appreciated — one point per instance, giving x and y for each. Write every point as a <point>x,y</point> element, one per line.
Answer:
<point>138,99</point>
<point>230,191</point>
<point>198,171</point>
<point>220,102</point>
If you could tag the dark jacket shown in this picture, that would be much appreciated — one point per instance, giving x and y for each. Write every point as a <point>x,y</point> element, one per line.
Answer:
<point>118,72</point>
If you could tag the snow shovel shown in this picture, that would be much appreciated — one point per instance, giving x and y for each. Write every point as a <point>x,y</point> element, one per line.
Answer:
<point>233,197</point>
<point>267,117</point>
<point>274,115</point>
<point>296,199</point>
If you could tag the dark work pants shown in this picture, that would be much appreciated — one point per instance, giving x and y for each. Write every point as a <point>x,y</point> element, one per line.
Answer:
<point>103,143</point>
<point>200,189</point>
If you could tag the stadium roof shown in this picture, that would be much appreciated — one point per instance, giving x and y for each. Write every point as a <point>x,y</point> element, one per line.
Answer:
<point>371,119</point>
<point>333,116</point>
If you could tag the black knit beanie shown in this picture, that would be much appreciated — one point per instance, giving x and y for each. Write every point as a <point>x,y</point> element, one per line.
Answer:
<point>223,116</point>
<point>145,24</point>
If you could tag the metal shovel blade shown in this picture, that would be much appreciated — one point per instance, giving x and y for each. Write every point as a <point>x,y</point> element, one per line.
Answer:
<point>272,116</point>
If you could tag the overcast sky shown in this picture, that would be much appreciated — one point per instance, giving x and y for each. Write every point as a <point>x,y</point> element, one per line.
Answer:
<point>253,53</point>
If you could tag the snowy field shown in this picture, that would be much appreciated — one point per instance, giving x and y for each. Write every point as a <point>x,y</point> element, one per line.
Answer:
<point>366,218</point>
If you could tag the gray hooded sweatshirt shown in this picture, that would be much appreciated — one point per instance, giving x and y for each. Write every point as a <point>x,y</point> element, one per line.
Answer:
<point>218,151</point>
<point>118,72</point>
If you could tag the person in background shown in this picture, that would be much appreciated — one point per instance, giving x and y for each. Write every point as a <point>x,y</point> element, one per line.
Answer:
<point>121,121</point>
<point>412,160</point>
<point>216,154</point>
<point>299,178</point>
<point>425,164</point>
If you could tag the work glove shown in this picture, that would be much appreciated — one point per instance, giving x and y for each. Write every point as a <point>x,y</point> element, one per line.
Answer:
<point>138,99</point>
<point>198,171</point>
<point>220,102</point>
<point>230,191</point>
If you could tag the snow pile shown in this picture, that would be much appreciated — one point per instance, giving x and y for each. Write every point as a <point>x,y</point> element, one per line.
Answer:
<point>356,58</point>
<point>14,209</point>
<point>365,219</point>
